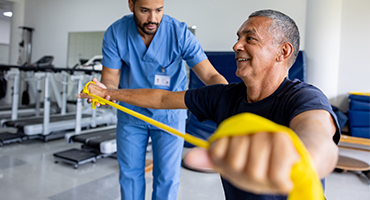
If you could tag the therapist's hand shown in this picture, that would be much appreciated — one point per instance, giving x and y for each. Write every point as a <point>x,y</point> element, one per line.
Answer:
<point>260,163</point>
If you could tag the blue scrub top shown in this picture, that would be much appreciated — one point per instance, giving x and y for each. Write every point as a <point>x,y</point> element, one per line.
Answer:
<point>124,49</point>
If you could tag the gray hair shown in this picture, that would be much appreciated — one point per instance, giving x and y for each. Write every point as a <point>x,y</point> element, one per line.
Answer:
<point>283,28</point>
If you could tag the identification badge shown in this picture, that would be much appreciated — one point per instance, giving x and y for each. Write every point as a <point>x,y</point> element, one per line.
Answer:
<point>162,80</point>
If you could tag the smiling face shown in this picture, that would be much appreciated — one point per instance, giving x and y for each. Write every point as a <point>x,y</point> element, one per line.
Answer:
<point>147,14</point>
<point>255,51</point>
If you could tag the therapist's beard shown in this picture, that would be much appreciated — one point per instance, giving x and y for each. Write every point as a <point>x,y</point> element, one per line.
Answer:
<point>142,27</point>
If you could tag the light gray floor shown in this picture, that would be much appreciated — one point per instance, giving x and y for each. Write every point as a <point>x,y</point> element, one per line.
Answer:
<point>28,171</point>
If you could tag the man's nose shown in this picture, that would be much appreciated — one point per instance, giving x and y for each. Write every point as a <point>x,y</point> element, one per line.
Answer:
<point>238,47</point>
<point>152,17</point>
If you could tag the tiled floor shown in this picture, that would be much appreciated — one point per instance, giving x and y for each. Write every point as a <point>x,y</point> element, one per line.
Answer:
<point>28,171</point>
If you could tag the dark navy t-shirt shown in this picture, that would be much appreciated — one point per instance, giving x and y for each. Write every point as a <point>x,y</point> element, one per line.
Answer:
<point>219,102</point>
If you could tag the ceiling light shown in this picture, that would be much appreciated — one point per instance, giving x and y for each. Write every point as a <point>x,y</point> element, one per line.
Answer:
<point>8,14</point>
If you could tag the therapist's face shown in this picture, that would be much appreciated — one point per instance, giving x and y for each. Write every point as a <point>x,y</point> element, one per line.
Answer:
<point>147,14</point>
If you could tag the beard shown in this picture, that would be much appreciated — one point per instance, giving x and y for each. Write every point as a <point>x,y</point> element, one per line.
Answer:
<point>142,26</point>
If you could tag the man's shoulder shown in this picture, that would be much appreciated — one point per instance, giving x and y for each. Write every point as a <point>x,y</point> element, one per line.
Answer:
<point>297,90</point>
<point>297,85</point>
<point>123,21</point>
<point>170,21</point>
<point>232,89</point>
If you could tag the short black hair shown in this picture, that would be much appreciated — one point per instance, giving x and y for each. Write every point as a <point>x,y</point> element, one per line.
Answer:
<point>283,28</point>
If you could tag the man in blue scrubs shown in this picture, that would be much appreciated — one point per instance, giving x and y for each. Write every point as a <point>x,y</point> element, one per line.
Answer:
<point>147,50</point>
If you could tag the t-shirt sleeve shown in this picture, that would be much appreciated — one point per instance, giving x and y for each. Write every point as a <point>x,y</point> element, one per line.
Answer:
<point>192,50</point>
<point>313,99</point>
<point>111,58</point>
<point>202,102</point>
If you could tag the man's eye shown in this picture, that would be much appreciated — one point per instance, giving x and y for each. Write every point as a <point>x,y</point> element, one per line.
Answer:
<point>159,10</point>
<point>144,11</point>
<point>250,38</point>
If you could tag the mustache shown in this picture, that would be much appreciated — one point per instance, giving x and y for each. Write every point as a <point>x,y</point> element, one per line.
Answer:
<point>149,23</point>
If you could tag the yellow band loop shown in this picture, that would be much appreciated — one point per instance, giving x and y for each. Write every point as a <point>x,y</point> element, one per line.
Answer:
<point>95,100</point>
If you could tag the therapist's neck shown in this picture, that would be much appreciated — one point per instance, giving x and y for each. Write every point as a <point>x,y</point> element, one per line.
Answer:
<point>146,38</point>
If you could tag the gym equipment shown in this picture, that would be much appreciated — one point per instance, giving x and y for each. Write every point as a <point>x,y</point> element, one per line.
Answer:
<point>96,143</point>
<point>57,124</point>
<point>10,135</point>
<point>54,127</point>
<point>25,46</point>
<point>93,63</point>
<point>14,72</point>
<point>45,61</point>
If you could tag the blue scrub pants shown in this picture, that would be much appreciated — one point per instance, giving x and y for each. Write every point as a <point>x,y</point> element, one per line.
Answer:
<point>132,140</point>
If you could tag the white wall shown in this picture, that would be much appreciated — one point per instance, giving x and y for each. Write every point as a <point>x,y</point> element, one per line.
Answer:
<point>354,61</point>
<point>217,22</point>
<point>4,31</point>
<point>54,19</point>
<point>16,33</point>
<point>4,40</point>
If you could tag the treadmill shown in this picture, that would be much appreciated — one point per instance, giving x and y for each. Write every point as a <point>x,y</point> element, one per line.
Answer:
<point>51,127</point>
<point>14,110</point>
<point>10,135</point>
<point>96,143</point>
<point>55,127</point>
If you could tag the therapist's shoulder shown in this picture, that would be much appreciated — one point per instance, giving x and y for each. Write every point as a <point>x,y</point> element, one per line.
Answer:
<point>119,27</point>
<point>173,23</point>
<point>123,21</point>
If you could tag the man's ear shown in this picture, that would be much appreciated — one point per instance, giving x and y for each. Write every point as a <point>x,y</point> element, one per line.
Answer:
<point>285,50</point>
<point>131,5</point>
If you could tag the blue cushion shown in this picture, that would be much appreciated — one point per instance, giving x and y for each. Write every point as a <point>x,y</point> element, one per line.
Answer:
<point>363,132</point>
<point>298,70</point>
<point>362,98</point>
<point>358,118</point>
<point>359,105</point>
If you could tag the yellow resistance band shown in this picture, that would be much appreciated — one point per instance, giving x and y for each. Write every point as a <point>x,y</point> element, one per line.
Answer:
<point>307,185</point>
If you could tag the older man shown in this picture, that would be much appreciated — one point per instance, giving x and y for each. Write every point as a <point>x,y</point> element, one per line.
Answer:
<point>257,166</point>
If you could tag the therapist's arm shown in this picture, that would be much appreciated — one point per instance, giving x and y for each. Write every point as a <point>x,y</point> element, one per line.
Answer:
<point>110,77</point>
<point>208,74</point>
<point>146,98</point>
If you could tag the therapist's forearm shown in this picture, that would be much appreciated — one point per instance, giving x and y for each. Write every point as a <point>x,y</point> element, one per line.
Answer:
<point>110,77</point>
<point>208,74</point>
<point>216,79</point>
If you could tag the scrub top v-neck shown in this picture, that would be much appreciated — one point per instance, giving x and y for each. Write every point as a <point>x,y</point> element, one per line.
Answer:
<point>124,49</point>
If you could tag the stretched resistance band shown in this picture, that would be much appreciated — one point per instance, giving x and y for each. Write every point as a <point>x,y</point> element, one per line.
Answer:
<point>307,185</point>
